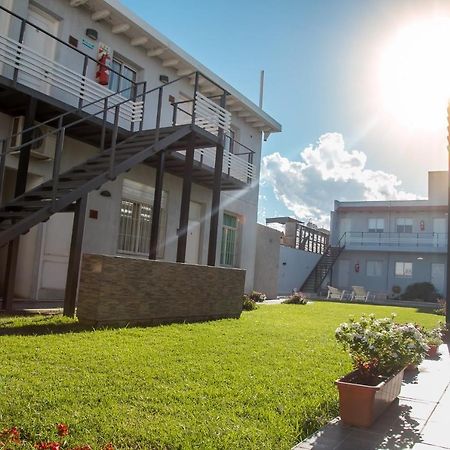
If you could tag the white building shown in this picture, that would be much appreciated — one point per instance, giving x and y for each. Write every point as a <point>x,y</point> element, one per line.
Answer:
<point>175,115</point>
<point>387,245</point>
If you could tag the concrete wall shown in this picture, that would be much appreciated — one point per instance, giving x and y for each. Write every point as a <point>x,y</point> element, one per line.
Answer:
<point>345,275</point>
<point>267,260</point>
<point>118,291</point>
<point>295,266</point>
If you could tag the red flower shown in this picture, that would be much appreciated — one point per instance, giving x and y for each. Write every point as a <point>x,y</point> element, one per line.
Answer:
<point>48,446</point>
<point>63,429</point>
<point>11,434</point>
<point>83,447</point>
<point>108,447</point>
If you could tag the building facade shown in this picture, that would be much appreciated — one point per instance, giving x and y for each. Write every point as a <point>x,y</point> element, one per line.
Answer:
<point>388,245</point>
<point>105,120</point>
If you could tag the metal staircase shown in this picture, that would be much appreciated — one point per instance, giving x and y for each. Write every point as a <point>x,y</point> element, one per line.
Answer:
<point>122,143</point>
<point>322,268</point>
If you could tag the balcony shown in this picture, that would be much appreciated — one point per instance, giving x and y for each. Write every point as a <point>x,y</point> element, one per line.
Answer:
<point>64,80</point>
<point>387,241</point>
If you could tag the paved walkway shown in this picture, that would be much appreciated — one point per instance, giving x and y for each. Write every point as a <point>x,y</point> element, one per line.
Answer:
<point>419,419</point>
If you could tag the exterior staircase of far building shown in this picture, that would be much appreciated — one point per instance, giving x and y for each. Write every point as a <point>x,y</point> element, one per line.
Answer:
<point>323,267</point>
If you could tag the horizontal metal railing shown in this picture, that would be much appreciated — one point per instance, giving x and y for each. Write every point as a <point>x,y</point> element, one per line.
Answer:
<point>393,239</point>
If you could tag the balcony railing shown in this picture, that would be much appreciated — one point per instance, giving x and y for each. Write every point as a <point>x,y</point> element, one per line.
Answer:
<point>411,241</point>
<point>76,86</point>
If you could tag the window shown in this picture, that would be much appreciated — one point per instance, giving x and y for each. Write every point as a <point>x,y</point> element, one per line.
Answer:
<point>403,269</point>
<point>376,225</point>
<point>373,268</point>
<point>136,220</point>
<point>229,239</point>
<point>230,144</point>
<point>404,225</point>
<point>120,83</point>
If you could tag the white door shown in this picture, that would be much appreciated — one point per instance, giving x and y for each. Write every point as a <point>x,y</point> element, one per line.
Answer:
<point>55,255</point>
<point>438,276</point>
<point>343,273</point>
<point>439,230</point>
<point>41,48</point>
<point>194,233</point>
<point>345,226</point>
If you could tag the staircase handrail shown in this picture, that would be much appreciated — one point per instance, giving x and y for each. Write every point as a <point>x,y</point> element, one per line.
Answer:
<point>90,116</point>
<point>343,237</point>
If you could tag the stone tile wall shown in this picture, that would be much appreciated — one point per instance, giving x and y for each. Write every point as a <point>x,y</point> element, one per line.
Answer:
<point>118,290</point>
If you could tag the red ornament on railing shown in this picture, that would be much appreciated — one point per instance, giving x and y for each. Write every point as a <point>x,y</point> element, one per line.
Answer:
<point>102,74</point>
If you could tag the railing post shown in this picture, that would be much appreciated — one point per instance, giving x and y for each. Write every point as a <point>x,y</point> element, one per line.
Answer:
<point>83,82</point>
<point>112,158</point>
<point>174,113</point>
<point>158,113</point>
<point>194,103</point>
<point>4,150</point>
<point>19,52</point>
<point>144,93</point>
<point>57,161</point>
<point>104,120</point>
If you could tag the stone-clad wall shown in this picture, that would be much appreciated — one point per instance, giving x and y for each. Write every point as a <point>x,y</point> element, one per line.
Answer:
<point>118,290</point>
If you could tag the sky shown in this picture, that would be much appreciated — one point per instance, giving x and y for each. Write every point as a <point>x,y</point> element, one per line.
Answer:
<point>352,82</point>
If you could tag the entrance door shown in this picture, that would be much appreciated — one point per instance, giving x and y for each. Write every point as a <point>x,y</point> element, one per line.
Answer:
<point>32,72</point>
<point>343,273</point>
<point>194,232</point>
<point>55,256</point>
<point>438,276</point>
<point>439,230</point>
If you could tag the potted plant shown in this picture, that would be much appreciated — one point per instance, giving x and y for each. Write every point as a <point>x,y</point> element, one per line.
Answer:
<point>433,338</point>
<point>380,350</point>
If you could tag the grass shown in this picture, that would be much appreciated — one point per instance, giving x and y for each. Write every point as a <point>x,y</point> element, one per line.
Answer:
<point>264,381</point>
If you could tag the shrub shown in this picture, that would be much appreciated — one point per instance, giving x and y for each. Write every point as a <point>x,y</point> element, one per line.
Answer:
<point>433,336</point>
<point>248,304</point>
<point>380,347</point>
<point>421,291</point>
<point>297,298</point>
<point>441,307</point>
<point>257,296</point>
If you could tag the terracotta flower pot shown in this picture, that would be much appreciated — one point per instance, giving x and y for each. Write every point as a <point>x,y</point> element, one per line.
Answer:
<point>411,368</point>
<point>432,351</point>
<point>360,405</point>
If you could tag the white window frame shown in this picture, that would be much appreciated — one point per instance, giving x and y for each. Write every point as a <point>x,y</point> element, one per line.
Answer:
<point>401,270</point>
<point>226,229</point>
<point>377,225</point>
<point>116,59</point>
<point>374,268</point>
<point>402,223</point>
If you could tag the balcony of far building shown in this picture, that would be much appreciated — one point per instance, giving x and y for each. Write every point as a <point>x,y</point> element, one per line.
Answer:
<point>34,62</point>
<point>431,242</point>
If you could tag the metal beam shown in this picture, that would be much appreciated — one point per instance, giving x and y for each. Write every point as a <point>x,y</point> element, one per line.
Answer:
<point>156,210</point>
<point>217,186</point>
<point>21,185</point>
<point>73,270</point>
<point>185,201</point>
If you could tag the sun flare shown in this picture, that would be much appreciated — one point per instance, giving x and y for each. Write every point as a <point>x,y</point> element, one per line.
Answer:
<point>415,74</point>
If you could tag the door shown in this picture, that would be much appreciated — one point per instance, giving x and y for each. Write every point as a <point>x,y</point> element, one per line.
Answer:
<point>438,276</point>
<point>343,273</point>
<point>33,72</point>
<point>194,233</point>
<point>439,230</point>
<point>55,256</point>
<point>345,226</point>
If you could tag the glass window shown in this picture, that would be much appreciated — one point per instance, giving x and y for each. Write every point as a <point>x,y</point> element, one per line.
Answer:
<point>376,225</point>
<point>118,83</point>
<point>374,268</point>
<point>404,225</point>
<point>229,141</point>
<point>136,213</point>
<point>229,240</point>
<point>403,269</point>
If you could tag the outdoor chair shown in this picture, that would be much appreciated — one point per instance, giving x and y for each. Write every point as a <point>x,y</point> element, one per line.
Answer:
<point>359,293</point>
<point>336,294</point>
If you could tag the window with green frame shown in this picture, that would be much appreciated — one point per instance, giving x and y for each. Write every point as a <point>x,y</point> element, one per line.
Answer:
<point>229,240</point>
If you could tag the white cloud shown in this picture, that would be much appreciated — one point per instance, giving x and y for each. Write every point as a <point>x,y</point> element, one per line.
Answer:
<point>326,172</point>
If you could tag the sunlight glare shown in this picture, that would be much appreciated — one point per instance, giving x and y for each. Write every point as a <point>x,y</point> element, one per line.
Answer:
<point>415,74</point>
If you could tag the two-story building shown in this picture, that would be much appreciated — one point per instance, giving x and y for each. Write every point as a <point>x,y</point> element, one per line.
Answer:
<point>388,245</point>
<point>109,128</point>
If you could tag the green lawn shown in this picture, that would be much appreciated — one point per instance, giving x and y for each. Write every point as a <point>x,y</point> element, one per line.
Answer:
<point>264,381</point>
